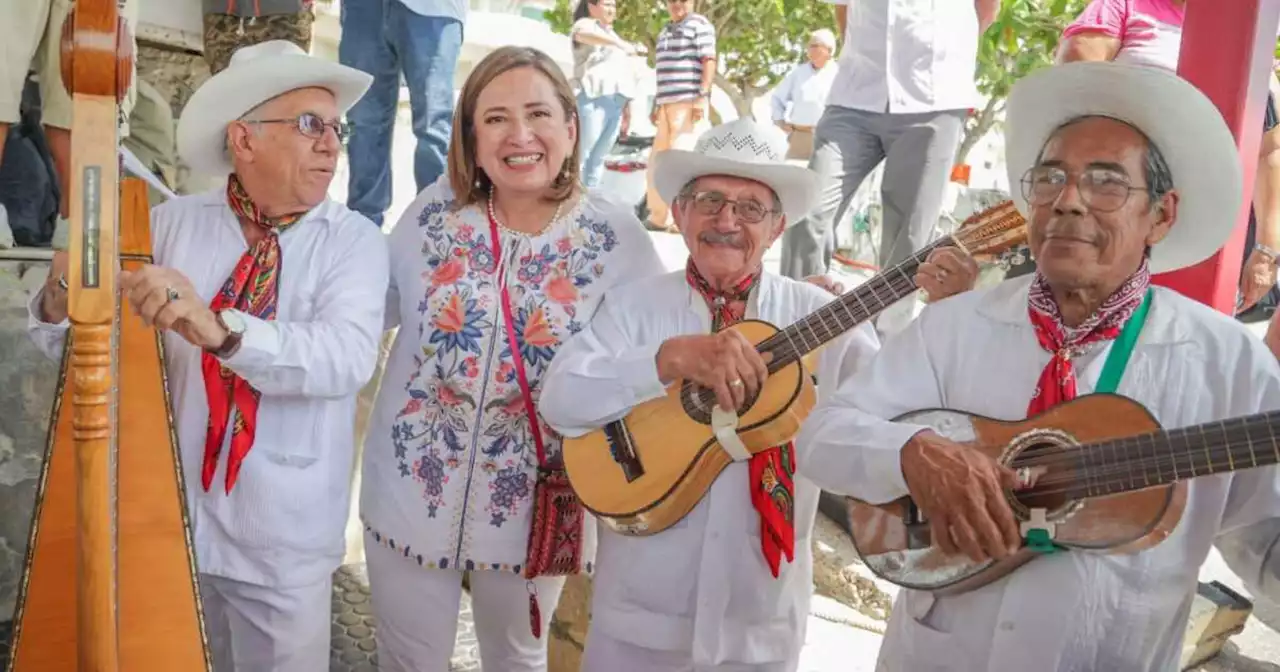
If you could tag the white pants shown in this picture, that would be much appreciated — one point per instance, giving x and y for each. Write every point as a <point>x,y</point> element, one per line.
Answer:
<point>258,629</point>
<point>606,654</point>
<point>416,610</point>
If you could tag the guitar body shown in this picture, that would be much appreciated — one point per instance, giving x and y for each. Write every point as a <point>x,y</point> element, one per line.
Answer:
<point>160,625</point>
<point>897,546</point>
<point>673,451</point>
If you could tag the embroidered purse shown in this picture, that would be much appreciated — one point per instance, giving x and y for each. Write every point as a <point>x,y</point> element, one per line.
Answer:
<point>555,531</point>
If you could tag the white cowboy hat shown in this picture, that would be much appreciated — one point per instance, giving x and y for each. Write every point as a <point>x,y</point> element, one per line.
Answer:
<point>255,75</point>
<point>741,148</point>
<point>1174,115</point>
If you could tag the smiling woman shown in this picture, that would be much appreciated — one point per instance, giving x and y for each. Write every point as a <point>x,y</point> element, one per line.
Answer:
<point>494,267</point>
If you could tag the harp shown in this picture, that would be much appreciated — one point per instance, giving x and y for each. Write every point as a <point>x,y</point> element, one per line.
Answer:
<point>109,583</point>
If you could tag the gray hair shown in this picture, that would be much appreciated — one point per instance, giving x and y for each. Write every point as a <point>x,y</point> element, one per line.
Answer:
<point>1155,170</point>
<point>686,192</point>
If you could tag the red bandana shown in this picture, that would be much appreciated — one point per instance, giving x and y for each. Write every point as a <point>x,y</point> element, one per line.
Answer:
<point>1057,382</point>
<point>252,289</point>
<point>772,490</point>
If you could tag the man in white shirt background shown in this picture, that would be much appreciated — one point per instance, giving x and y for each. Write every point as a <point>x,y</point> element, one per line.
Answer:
<point>270,297</point>
<point>905,83</point>
<point>805,89</point>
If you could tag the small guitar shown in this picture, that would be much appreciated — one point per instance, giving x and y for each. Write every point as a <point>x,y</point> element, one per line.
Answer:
<point>1108,480</point>
<point>643,473</point>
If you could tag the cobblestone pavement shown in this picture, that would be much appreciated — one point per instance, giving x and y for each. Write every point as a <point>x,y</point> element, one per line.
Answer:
<point>352,645</point>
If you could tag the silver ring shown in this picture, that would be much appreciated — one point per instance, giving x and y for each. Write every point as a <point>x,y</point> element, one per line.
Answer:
<point>171,294</point>
<point>62,282</point>
<point>736,382</point>
<point>942,275</point>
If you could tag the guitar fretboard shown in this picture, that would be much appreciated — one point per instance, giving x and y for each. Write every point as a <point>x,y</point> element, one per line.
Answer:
<point>847,311</point>
<point>1159,458</point>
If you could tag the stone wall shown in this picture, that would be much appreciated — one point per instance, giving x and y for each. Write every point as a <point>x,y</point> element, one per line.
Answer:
<point>27,384</point>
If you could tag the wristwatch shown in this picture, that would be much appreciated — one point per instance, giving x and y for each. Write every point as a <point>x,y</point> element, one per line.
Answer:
<point>233,321</point>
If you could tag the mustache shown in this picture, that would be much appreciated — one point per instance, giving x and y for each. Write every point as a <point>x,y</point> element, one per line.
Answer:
<point>717,238</point>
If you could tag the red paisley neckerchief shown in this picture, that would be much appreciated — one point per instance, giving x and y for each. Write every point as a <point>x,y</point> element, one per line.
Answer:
<point>252,289</point>
<point>772,490</point>
<point>1058,380</point>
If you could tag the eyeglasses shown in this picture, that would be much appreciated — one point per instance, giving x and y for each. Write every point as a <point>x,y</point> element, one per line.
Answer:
<point>713,202</point>
<point>309,124</point>
<point>1101,189</point>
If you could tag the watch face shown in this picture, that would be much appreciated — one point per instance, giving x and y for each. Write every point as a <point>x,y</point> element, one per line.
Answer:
<point>234,321</point>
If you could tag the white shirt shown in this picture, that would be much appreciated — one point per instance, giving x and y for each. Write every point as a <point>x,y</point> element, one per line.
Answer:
<point>283,523</point>
<point>450,462</point>
<point>907,56</point>
<point>805,88</point>
<point>701,586</point>
<point>1075,610</point>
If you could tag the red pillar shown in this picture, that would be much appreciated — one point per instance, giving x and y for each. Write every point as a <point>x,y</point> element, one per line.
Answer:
<point>1227,52</point>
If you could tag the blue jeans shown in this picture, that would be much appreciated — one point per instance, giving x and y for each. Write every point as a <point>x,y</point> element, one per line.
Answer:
<point>599,119</point>
<point>384,38</point>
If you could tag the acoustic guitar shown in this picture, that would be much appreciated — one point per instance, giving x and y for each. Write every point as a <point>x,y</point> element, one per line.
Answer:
<point>109,583</point>
<point>643,473</point>
<point>1108,479</point>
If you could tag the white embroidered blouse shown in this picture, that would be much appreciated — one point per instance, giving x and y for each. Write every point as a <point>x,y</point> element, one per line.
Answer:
<point>450,462</point>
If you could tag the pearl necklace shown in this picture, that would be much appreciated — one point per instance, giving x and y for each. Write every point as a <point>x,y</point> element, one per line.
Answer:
<point>501,225</point>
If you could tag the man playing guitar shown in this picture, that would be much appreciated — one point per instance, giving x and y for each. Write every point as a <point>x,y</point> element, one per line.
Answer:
<point>1114,188</point>
<point>728,586</point>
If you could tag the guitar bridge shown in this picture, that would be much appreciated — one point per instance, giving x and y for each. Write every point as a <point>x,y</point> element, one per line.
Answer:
<point>623,450</point>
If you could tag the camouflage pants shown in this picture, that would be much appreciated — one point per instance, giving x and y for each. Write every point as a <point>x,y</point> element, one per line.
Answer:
<point>224,33</point>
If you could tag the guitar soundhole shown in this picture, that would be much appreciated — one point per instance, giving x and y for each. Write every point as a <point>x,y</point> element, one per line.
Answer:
<point>698,402</point>
<point>1054,470</point>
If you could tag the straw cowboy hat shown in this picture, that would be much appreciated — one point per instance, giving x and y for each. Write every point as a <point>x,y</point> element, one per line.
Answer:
<point>1174,115</point>
<point>255,75</point>
<point>741,148</point>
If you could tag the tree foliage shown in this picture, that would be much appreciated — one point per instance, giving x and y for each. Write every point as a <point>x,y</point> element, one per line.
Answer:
<point>758,41</point>
<point>1023,38</point>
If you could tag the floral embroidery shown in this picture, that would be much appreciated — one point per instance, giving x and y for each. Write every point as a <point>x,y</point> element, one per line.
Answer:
<point>462,433</point>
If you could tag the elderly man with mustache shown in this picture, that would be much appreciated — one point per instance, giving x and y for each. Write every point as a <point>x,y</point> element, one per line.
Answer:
<point>270,297</point>
<point>727,587</point>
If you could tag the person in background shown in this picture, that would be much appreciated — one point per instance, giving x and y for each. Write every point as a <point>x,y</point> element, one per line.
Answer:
<point>901,95</point>
<point>805,90</point>
<point>231,24</point>
<point>1149,33</point>
<point>32,40</point>
<point>493,267</point>
<point>270,299</point>
<point>685,61</point>
<point>421,40</point>
<point>603,78</point>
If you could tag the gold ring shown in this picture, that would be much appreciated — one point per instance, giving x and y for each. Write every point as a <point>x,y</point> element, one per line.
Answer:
<point>735,383</point>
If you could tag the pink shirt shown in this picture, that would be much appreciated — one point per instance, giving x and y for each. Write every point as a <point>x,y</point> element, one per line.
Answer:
<point>1150,31</point>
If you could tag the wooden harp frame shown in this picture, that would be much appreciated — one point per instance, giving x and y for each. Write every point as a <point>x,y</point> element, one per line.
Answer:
<point>109,583</point>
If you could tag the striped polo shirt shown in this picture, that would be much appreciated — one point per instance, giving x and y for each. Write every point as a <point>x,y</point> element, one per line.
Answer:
<point>682,47</point>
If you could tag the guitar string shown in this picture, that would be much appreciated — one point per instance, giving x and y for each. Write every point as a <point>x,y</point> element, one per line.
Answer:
<point>1002,220</point>
<point>1222,455</point>
<point>785,350</point>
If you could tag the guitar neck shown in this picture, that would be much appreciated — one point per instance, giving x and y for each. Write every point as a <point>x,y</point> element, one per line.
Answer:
<point>848,311</point>
<point>1160,458</point>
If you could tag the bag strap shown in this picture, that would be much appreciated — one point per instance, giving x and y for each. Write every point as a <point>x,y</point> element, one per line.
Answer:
<point>525,391</point>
